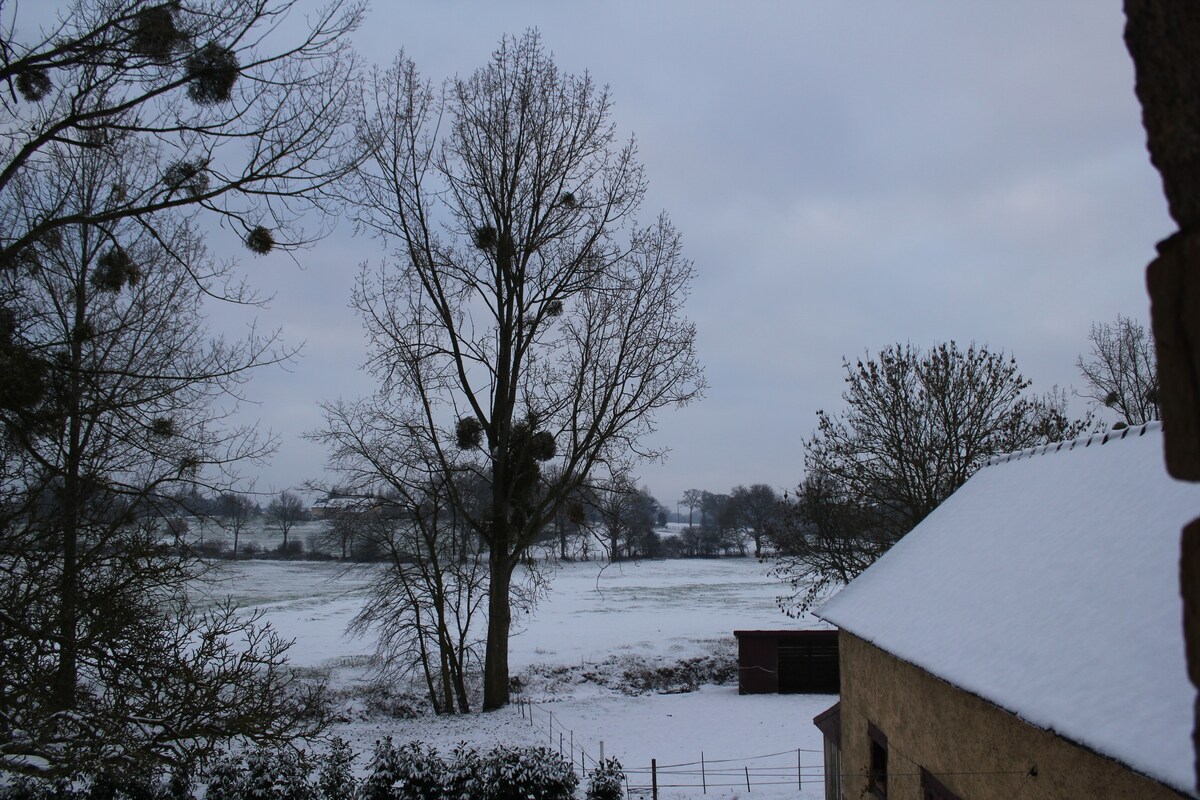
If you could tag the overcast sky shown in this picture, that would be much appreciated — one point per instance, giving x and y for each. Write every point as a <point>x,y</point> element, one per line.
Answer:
<point>845,176</point>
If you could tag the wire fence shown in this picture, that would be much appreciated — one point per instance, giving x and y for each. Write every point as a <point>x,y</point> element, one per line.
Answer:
<point>562,738</point>
<point>785,768</point>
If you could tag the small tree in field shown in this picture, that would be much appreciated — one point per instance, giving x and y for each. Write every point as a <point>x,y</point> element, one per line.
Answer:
<point>691,500</point>
<point>526,329</point>
<point>755,509</point>
<point>286,511</point>
<point>422,601</point>
<point>917,424</point>
<point>624,518</point>
<point>234,511</point>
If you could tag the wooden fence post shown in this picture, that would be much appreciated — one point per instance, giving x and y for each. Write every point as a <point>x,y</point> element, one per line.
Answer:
<point>654,778</point>
<point>747,778</point>
<point>703,778</point>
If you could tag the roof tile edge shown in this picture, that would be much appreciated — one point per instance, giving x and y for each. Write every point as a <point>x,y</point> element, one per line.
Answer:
<point>1071,444</point>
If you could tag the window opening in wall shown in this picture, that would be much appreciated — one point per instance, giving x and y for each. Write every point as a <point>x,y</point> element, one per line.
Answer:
<point>877,778</point>
<point>933,789</point>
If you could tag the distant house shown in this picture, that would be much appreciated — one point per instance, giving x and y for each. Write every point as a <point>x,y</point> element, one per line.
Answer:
<point>335,505</point>
<point>1024,641</point>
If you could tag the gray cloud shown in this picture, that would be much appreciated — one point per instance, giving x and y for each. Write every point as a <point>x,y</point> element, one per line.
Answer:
<point>845,176</point>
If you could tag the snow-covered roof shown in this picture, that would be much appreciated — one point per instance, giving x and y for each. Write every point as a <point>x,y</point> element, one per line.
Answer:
<point>1049,585</point>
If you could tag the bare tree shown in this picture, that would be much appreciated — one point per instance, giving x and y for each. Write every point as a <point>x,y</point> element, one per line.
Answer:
<point>916,426</point>
<point>118,117</point>
<point>285,511</point>
<point>824,537</point>
<point>104,662</point>
<point>234,511</point>
<point>422,603</point>
<point>755,509</point>
<point>1121,371</point>
<point>524,319</point>
<point>624,518</point>
<point>692,499</point>
<point>247,124</point>
<point>344,530</point>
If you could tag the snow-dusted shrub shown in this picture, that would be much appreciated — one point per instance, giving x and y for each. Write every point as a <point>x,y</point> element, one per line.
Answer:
<point>462,774</point>
<point>226,779</point>
<point>129,784</point>
<point>606,781</point>
<point>381,772</point>
<point>526,773</point>
<point>179,784</point>
<point>410,772</point>
<point>277,774</point>
<point>25,788</point>
<point>382,699</point>
<point>633,675</point>
<point>292,772</point>
<point>335,778</point>
<point>420,773</point>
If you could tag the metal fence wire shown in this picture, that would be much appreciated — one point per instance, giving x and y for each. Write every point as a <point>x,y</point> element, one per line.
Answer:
<point>785,768</point>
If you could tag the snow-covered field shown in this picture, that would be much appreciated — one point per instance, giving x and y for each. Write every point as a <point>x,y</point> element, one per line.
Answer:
<point>597,622</point>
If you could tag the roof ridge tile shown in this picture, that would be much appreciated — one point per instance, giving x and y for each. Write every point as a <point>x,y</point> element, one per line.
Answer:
<point>1101,438</point>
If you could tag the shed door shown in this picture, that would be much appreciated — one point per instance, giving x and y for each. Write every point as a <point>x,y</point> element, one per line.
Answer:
<point>808,666</point>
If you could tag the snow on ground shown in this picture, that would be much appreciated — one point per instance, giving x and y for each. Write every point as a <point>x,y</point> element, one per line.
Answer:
<point>598,621</point>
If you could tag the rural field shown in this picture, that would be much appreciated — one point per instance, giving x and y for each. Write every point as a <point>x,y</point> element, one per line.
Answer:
<point>585,659</point>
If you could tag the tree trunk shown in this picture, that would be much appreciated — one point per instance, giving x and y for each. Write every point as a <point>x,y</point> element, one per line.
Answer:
<point>72,487</point>
<point>68,616</point>
<point>495,664</point>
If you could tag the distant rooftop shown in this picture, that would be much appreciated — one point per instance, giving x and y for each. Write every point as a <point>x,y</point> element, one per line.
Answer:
<point>1048,584</point>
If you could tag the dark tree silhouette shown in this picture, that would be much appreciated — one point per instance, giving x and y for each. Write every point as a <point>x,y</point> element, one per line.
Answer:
<point>119,120</point>
<point>526,327</point>
<point>103,662</point>
<point>234,512</point>
<point>755,509</point>
<point>285,511</point>
<point>917,424</point>
<point>246,123</point>
<point>623,518</point>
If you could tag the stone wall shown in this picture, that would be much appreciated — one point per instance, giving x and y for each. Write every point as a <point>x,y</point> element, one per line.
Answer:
<point>976,749</point>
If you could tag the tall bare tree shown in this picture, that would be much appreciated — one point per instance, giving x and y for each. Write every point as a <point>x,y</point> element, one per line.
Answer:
<point>691,500</point>
<point>234,511</point>
<point>524,319</point>
<point>119,119</point>
<point>917,424</point>
<point>1121,371</point>
<point>104,663</point>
